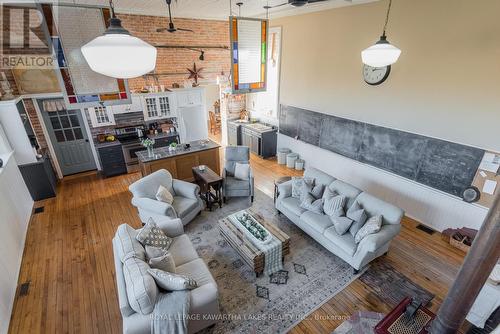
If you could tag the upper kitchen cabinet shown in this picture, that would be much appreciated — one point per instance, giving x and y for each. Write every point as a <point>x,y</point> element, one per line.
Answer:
<point>158,105</point>
<point>101,116</point>
<point>190,97</point>
<point>126,108</point>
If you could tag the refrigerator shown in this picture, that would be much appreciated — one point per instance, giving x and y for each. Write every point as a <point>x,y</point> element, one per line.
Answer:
<point>192,122</point>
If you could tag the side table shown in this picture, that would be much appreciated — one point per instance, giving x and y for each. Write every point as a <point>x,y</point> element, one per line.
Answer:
<point>207,179</point>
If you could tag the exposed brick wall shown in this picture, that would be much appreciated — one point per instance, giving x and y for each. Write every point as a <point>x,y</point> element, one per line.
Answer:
<point>206,33</point>
<point>35,123</point>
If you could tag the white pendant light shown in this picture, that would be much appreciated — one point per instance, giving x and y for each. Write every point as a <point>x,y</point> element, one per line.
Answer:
<point>117,54</point>
<point>381,53</point>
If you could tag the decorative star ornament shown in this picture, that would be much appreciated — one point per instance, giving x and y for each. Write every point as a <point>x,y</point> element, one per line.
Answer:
<point>195,73</point>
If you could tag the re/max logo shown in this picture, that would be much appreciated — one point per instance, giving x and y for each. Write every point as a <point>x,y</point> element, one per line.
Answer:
<point>22,31</point>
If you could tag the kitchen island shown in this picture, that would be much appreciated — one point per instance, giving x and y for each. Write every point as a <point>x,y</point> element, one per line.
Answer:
<point>180,161</point>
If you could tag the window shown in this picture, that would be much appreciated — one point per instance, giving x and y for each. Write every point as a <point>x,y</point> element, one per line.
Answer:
<point>99,116</point>
<point>164,106</point>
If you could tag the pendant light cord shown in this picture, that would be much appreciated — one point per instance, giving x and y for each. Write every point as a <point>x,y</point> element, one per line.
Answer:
<point>112,6</point>
<point>387,17</point>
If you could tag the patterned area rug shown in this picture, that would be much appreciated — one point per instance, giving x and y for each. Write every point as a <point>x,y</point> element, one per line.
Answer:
<point>392,286</point>
<point>267,304</point>
<point>361,322</point>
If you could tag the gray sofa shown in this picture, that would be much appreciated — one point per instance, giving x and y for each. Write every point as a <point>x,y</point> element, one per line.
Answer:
<point>187,202</point>
<point>204,305</point>
<point>320,227</point>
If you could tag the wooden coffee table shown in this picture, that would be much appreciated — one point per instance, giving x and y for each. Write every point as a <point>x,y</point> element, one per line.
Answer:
<point>207,179</point>
<point>241,244</point>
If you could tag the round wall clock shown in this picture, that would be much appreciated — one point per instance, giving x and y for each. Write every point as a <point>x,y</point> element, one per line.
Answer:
<point>375,75</point>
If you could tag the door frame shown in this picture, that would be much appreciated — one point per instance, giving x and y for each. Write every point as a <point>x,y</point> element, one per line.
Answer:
<point>46,134</point>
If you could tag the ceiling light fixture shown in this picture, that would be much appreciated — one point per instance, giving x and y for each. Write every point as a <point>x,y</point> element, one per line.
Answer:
<point>202,55</point>
<point>117,54</point>
<point>381,53</point>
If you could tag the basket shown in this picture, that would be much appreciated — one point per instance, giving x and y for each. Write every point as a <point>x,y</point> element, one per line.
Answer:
<point>460,244</point>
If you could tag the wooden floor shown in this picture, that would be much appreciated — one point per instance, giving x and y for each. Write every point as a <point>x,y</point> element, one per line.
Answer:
<point>68,260</point>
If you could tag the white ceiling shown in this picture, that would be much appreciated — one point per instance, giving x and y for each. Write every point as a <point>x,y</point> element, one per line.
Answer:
<point>215,9</point>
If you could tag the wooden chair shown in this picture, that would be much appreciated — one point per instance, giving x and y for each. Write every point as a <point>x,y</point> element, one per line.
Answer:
<point>215,123</point>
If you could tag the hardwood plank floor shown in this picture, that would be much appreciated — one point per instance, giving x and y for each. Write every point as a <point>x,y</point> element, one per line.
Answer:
<point>68,260</point>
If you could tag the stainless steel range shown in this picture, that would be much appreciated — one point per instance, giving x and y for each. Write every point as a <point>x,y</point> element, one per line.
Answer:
<point>129,137</point>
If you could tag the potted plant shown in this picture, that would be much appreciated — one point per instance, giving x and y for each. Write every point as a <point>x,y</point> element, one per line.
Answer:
<point>172,146</point>
<point>148,144</point>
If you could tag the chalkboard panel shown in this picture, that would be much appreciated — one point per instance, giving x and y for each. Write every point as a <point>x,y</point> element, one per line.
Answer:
<point>342,136</point>
<point>289,120</point>
<point>309,124</point>
<point>448,166</point>
<point>395,151</point>
<point>437,163</point>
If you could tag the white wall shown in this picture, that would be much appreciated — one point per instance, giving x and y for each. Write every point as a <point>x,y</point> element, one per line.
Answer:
<point>445,85</point>
<point>15,211</point>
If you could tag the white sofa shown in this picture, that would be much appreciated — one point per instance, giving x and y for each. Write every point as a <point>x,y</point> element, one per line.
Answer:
<point>320,227</point>
<point>204,304</point>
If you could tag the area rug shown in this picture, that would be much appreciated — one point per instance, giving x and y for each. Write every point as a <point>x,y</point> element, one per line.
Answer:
<point>267,304</point>
<point>392,286</point>
<point>361,322</point>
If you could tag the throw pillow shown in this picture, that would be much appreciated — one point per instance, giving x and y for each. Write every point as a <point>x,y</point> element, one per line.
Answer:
<point>164,262</point>
<point>152,235</point>
<point>312,204</point>
<point>298,184</point>
<point>307,188</point>
<point>317,191</point>
<point>241,171</point>
<point>341,224</point>
<point>152,251</point>
<point>372,225</point>
<point>163,195</point>
<point>329,193</point>
<point>358,214</point>
<point>334,206</point>
<point>142,290</point>
<point>172,282</point>
<point>126,242</point>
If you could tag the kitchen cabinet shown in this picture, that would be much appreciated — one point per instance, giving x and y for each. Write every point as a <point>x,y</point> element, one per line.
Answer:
<point>101,116</point>
<point>262,143</point>
<point>126,108</point>
<point>159,105</point>
<point>190,97</point>
<point>112,160</point>
<point>233,134</point>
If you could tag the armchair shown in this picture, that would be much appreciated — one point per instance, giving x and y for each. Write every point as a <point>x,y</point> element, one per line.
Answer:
<point>231,186</point>
<point>187,202</point>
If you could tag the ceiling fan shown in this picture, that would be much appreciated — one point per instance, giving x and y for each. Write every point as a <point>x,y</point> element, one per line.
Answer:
<point>297,3</point>
<point>171,27</point>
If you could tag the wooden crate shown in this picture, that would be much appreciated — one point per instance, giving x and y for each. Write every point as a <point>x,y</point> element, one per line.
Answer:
<point>250,254</point>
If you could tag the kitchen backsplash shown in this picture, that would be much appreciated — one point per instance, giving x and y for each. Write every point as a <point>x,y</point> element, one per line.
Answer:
<point>121,120</point>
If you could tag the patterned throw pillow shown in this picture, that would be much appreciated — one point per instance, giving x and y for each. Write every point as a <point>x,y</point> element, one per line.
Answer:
<point>312,204</point>
<point>171,281</point>
<point>334,206</point>
<point>298,183</point>
<point>163,195</point>
<point>358,214</point>
<point>152,235</point>
<point>372,225</point>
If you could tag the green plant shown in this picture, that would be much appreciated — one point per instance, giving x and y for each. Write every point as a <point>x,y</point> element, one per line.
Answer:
<point>147,142</point>
<point>173,145</point>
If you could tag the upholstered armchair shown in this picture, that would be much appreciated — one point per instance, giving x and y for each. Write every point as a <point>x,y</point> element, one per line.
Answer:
<point>233,187</point>
<point>186,205</point>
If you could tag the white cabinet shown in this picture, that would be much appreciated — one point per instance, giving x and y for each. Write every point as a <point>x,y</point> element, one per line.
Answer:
<point>126,108</point>
<point>158,106</point>
<point>190,97</point>
<point>101,116</point>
